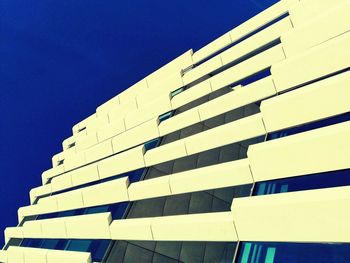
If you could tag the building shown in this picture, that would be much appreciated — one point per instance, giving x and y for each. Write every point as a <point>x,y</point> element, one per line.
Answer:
<point>239,151</point>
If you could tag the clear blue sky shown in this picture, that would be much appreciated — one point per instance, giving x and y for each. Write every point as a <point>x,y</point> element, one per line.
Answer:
<point>59,60</point>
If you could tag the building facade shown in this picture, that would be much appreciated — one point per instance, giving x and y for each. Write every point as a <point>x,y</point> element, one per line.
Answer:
<point>237,152</point>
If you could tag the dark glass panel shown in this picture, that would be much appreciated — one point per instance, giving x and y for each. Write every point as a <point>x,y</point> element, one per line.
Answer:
<point>274,252</point>
<point>310,126</point>
<point>306,182</point>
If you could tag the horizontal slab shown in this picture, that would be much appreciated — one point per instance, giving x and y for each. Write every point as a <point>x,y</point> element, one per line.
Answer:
<point>84,175</point>
<point>203,69</point>
<point>137,135</point>
<point>165,153</point>
<point>39,255</point>
<point>161,104</point>
<point>306,216</point>
<point>305,11</point>
<point>158,79</point>
<point>34,210</point>
<point>53,228</point>
<point>57,158</point>
<point>212,47</point>
<point>3,256</point>
<point>61,182</point>
<point>242,129</point>
<point>108,106</point>
<point>84,123</point>
<point>69,200</point>
<point>52,173</point>
<point>122,162</point>
<point>197,91</point>
<point>106,193</point>
<point>99,151</point>
<point>49,203</point>
<point>321,150</point>
<point>74,161</point>
<point>130,93</point>
<point>131,229</point>
<point>261,19</point>
<point>91,226</point>
<point>86,142</point>
<point>248,67</point>
<point>256,41</point>
<point>310,65</point>
<point>240,97</point>
<point>13,232</point>
<point>68,142</point>
<point>244,29</point>
<point>195,227</point>
<point>149,188</point>
<point>111,129</point>
<point>330,23</point>
<point>211,177</point>
<point>58,256</point>
<point>179,121</point>
<point>119,112</point>
<point>317,101</point>
<point>39,191</point>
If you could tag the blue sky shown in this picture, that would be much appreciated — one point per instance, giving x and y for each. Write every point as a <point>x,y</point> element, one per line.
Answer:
<point>59,60</point>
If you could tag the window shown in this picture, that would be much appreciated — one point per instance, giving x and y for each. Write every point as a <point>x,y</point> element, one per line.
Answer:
<point>310,126</point>
<point>306,182</point>
<point>277,252</point>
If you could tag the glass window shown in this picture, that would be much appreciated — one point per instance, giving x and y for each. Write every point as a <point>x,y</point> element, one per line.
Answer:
<point>96,209</point>
<point>50,243</point>
<point>118,210</point>
<point>31,242</point>
<point>151,144</point>
<point>78,245</point>
<point>135,176</point>
<point>98,249</point>
<point>306,182</point>
<point>175,92</point>
<point>310,126</point>
<point>276,252</point>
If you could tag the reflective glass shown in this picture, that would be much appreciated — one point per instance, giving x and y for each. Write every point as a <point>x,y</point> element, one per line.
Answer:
<point>306,182</point>
<point>275,252</point>
<point>310,126</point>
